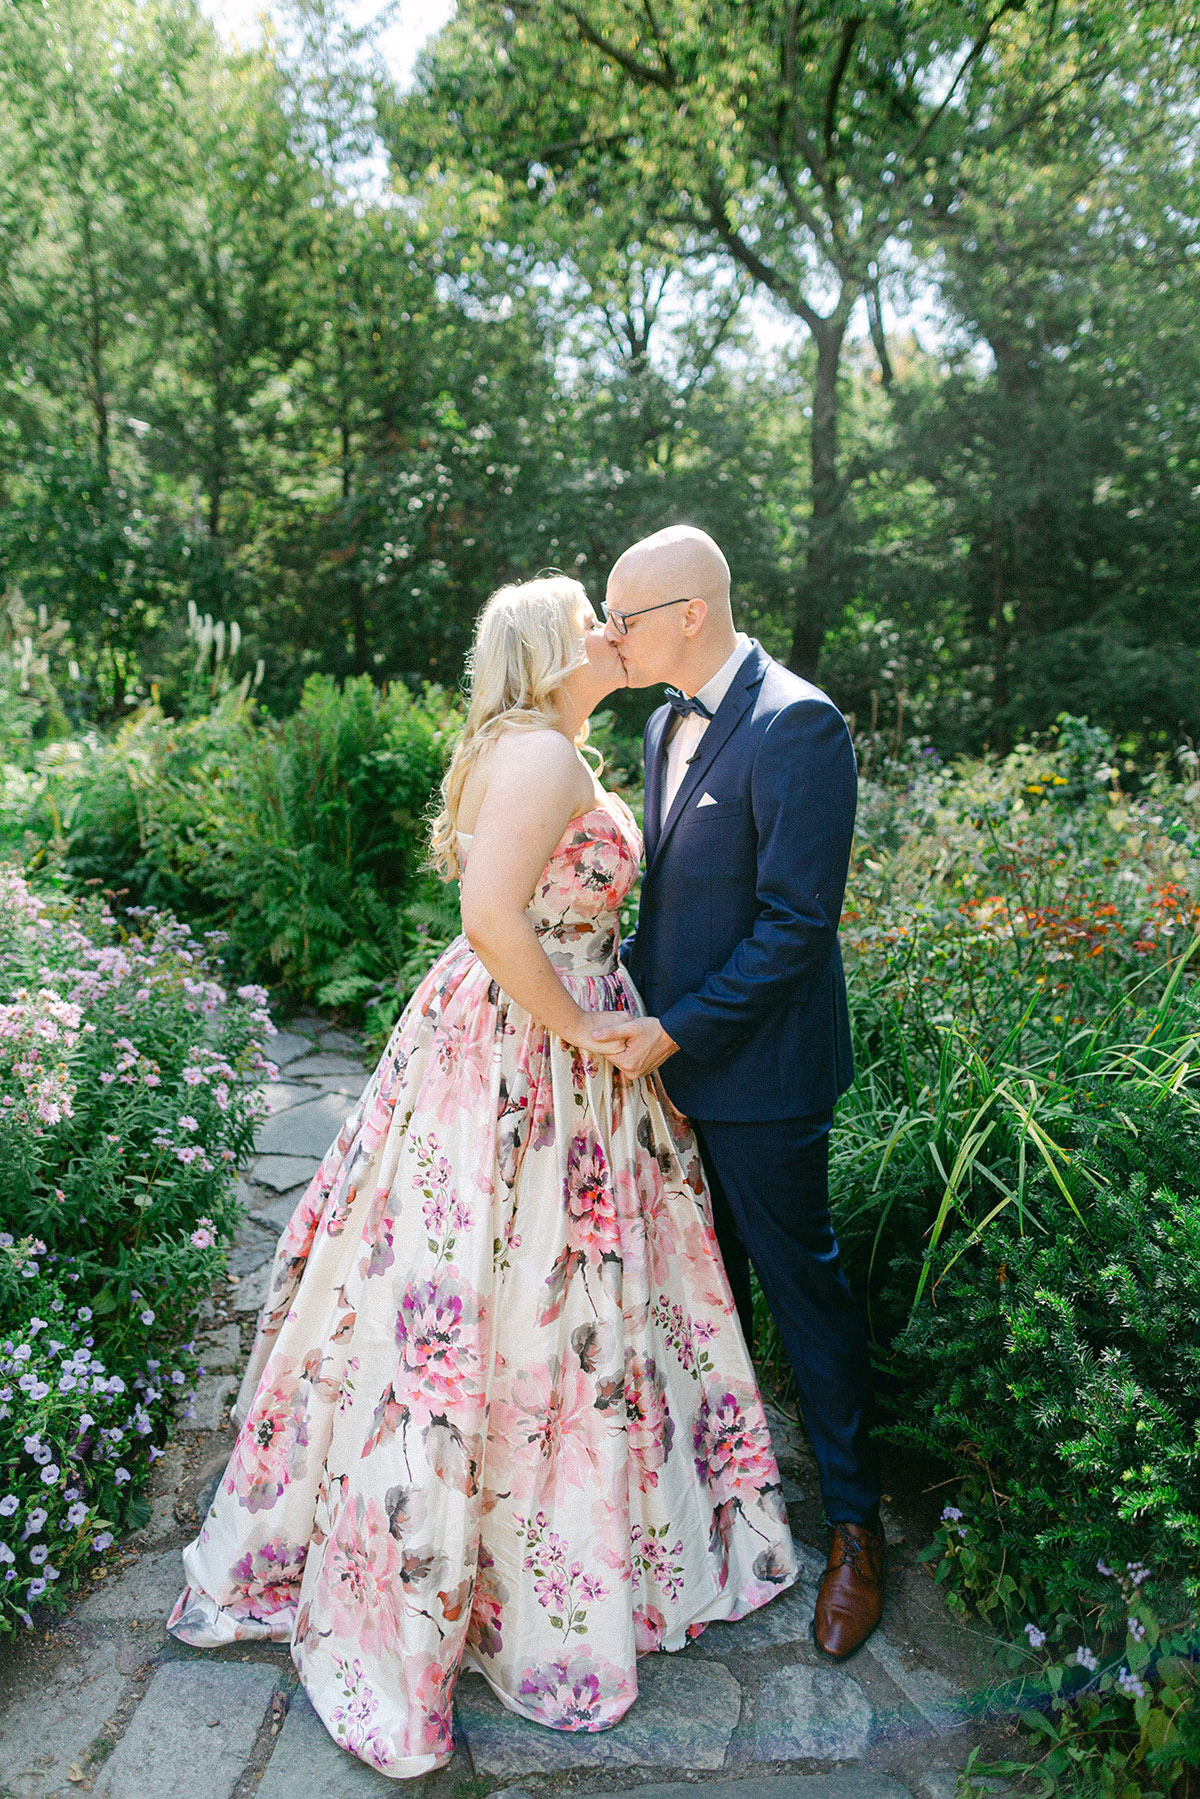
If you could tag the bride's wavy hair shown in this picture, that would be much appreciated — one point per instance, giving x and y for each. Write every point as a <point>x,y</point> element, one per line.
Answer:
<point>528,639</point>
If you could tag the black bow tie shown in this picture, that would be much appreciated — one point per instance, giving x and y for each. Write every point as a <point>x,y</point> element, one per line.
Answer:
<point>681,703</point>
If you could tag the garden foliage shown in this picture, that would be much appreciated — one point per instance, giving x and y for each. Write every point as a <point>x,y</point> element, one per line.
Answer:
<point>1114,1716</point>
<point>1016,1169</point>
<point>1018,1165</point>
<point>1017,1189</point>
<point>301,838</point>
<point>128,1093</point>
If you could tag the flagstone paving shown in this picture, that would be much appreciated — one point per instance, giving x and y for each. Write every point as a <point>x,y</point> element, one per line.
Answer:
<point>103,1702</point>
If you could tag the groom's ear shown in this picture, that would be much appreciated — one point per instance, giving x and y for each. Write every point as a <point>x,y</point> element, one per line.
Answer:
<point>694,615</point>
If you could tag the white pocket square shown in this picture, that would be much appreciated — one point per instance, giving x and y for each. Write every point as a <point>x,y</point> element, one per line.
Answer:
<point>706,799</point>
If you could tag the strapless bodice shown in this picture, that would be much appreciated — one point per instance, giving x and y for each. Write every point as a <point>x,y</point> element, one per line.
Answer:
<point>576,905</point>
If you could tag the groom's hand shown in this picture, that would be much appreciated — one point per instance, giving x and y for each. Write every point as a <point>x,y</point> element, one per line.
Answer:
<point>603,1034</point>
<point>646,1046</point>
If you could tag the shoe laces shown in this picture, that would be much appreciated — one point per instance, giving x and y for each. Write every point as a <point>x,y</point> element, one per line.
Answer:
<point>854,1551</point>
<point>850,1544</point>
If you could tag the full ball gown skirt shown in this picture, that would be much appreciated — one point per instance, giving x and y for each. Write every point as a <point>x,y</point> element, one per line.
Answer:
<point>499,1411</point>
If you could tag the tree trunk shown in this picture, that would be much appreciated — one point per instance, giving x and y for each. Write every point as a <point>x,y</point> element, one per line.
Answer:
<point>97,386</point>
<point>999,726</point>
<point>218,440</point>
<point>822,598</point>
<point>1014,480</point>
<point>358,618</point>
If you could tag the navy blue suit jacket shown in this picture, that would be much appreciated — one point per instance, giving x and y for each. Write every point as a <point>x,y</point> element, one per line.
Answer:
<point>736,947</point>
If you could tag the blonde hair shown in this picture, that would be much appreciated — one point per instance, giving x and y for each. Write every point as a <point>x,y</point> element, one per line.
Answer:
<point>528,639</point>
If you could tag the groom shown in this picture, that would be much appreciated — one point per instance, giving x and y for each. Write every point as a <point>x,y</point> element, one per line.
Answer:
<point>750,798</point>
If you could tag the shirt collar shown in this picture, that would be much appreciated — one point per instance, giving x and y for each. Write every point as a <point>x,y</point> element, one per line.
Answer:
<point>718,685</point>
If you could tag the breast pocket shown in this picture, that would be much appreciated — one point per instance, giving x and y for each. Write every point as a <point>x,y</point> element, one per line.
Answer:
<point>719,812</point>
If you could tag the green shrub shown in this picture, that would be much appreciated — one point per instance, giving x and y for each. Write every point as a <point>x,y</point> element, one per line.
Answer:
<point>1115,1714</point>
<point>128,1094</point>
<point>77,1429</point>
<point>319,826</point>
<point>113,811</point>
<point>1058,1368</point>
<point>1022,962</point>
<point>1016,1186</point>
<point>302,838</point>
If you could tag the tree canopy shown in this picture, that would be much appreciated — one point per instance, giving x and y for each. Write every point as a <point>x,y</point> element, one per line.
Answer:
<point>288,346</point>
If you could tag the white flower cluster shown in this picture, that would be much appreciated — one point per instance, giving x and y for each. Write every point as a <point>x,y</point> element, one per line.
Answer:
<point>37,1033</point>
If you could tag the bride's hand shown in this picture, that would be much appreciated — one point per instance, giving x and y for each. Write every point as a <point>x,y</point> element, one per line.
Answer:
<point>605,1034</point>
<point>641,1049</point>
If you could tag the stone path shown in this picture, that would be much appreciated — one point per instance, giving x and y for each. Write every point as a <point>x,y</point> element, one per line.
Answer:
<point>104,1702</point>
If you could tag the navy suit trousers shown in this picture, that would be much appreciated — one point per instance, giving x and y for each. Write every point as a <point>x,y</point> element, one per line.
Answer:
<point>770,1192</point>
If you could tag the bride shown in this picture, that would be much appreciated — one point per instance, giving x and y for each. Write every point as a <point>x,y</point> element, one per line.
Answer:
<point>499,1413</point>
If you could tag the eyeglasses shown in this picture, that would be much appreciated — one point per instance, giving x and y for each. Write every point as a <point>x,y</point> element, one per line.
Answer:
<point>618,620</point>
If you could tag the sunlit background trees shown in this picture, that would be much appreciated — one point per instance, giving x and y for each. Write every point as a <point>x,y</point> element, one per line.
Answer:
<point>895,301</point>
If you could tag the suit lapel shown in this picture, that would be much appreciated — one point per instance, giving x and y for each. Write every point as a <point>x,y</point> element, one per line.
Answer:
<point>728,715</point>
<point>656,732</point>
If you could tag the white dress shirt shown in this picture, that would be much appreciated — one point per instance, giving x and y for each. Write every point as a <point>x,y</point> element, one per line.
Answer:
<point>685,739</point>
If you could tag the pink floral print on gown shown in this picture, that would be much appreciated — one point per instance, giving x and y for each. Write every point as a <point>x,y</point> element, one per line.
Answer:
<point>499,1411</point>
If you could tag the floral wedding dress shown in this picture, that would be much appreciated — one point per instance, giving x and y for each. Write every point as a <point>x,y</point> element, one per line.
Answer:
<point>499,1411</point>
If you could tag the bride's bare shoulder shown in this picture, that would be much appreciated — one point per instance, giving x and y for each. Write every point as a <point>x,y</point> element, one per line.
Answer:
<point>523,764</point>
<point>532,750</point>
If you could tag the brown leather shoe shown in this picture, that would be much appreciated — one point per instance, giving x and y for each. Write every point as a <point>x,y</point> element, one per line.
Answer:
<point>850,1602</point>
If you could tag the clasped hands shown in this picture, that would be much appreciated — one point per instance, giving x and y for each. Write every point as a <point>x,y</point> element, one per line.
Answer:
<point>635,1045</point>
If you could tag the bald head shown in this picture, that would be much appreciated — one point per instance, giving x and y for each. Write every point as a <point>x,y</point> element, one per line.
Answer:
<point>673,591</point>
<point>678,561</point>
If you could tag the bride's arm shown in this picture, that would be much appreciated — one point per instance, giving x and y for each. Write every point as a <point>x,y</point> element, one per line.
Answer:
<point>535,786</point>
